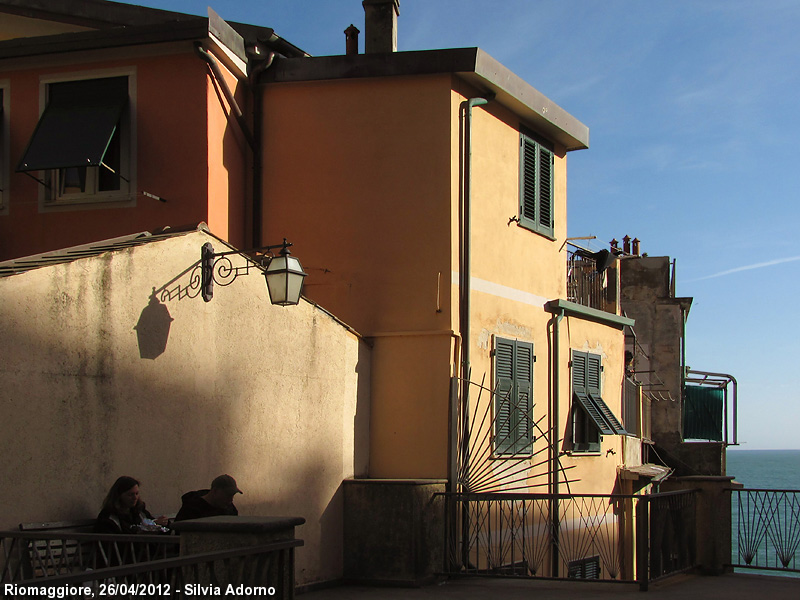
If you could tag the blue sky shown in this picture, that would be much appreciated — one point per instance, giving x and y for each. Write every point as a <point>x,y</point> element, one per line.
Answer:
<point>692,110</point>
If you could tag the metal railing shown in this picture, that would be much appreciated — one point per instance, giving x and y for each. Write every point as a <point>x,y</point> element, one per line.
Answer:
<point>82,567</point>
<point>27,555</point>
<point>765,529</point>
<point>589,281</point>
<point>623,538</point>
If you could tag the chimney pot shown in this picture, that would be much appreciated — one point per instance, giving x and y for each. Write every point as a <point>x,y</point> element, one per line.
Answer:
<point>380,20</point>
<point>626,244</point>
<point>635,248</point>
<point>351,39</point>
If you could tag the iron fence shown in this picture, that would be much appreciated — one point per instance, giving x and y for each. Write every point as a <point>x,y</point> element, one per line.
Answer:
<point>26,555</point>
<point>766,529</point>
<point>254,571</point>
<point>623,538</point>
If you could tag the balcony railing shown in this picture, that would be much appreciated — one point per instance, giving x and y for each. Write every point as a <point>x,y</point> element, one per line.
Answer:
<point>591,281</point>
<point>708,412</point>
<point>766,529</point>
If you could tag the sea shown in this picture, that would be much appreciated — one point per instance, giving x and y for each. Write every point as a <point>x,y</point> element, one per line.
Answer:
<point>765,469</point>
<point>769,470</point>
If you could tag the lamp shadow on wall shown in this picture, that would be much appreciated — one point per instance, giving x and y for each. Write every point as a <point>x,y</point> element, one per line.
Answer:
<point>152,329</point>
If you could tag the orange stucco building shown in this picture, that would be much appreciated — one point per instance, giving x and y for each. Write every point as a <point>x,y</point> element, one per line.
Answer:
<point>425,193</point>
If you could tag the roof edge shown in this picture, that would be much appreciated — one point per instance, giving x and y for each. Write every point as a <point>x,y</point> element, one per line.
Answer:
<point>471,64</point>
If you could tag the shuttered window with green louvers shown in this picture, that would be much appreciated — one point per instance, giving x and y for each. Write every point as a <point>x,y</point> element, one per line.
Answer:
<point>536,185</point>
<point>513,398</point>
<point>591,416</point>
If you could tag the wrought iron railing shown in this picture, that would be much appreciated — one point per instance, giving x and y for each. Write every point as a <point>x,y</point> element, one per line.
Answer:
<point>766,529</point>
<point>589,280</point>
<point>26,555</point>
<point>254,571</point>
<point>624,538</point>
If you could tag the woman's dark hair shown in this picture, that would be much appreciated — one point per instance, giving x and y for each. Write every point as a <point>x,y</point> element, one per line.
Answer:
<point>121,485</point>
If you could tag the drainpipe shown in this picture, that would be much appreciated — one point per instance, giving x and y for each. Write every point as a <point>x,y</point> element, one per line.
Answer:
<point>554,412</point>
<point>466,261</point>
<point>464,287</point>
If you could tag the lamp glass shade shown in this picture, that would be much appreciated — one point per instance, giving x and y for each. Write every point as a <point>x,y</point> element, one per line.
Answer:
<point>284,277</point>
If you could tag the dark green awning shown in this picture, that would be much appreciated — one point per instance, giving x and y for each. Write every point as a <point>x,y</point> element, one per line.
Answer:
<point>600,414</point>
<point>702,413</point>
<point>77,125</point>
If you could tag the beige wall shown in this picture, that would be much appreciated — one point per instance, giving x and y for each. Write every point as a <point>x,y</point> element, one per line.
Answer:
<point>274,396</point>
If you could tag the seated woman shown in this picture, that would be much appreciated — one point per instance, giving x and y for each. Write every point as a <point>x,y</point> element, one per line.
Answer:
<point>124,512</point>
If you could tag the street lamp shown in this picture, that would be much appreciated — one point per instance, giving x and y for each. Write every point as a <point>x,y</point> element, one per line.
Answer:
<point>284,277</point>
<point>283,273</point>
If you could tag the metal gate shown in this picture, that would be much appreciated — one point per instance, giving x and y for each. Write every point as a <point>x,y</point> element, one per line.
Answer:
<point>496,529</point>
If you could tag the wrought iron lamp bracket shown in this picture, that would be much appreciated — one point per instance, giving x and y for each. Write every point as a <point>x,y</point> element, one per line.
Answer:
<point>217,267</point>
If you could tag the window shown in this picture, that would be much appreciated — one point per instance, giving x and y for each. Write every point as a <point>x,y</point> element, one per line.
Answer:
<point>82,143</point>
<point>591,417</point>
<point>536,185</point>
<point>513,399</point>
<point>584,568</point>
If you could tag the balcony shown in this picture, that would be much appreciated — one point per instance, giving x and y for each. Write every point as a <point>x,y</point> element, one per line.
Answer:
<point>593,279</point>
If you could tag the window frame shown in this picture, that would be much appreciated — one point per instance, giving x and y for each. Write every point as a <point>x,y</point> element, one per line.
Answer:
<point>125,197</point>
<point>534,152</point>
<point>513,395</point>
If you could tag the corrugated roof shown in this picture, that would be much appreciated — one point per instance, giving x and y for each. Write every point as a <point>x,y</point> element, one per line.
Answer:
<point>65,255</point>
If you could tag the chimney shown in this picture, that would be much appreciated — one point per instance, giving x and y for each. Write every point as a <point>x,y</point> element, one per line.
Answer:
<point>380,31</point>
<point>351,39</point>
<point>626,245</point>
<point>635,246</point>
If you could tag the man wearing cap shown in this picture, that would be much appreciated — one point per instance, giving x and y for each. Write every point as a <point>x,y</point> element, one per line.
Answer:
<point>212,502</point>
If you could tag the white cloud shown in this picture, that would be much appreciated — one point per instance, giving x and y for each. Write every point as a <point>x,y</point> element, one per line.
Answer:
<point>761,265</point>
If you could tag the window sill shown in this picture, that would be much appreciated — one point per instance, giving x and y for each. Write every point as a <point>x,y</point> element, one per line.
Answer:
<point>124,200</point>
<point>532,229</point>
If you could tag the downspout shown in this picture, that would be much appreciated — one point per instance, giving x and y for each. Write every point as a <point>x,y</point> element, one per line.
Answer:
<point>464,270</point>
<point>466,266</point>
<point>554,412</point>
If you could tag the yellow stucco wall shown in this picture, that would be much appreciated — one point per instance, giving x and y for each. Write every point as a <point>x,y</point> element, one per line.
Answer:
<point>372,202</point>
<point>275,396</point>
<point>596,473</point>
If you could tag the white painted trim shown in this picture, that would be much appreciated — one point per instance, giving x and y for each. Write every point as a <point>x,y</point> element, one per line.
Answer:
<point>501,291</point>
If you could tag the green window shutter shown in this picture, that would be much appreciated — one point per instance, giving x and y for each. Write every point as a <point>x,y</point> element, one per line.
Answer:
<point>545,189</point>
<point>523,379</point>
<point>504,393</point>
<point>528,191</point>
<point>513,407</point>
<point>593,370</point>
<point>536,186</point>
<point>579,372</point>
